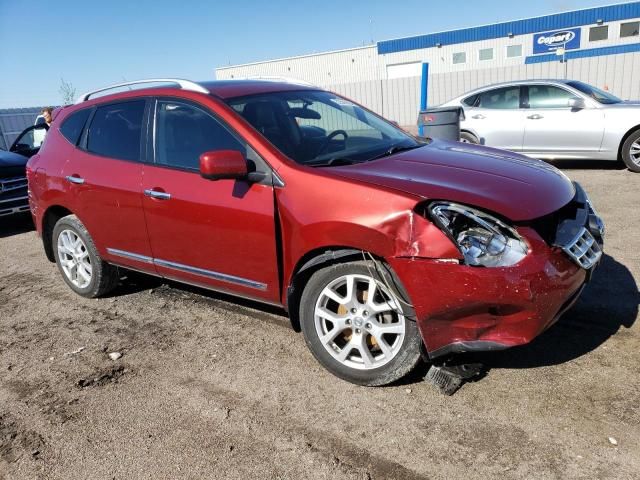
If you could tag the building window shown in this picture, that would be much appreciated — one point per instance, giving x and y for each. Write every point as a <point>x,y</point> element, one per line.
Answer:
<point>514,51</point>
<point>460,57</point>
<point>485,54</point>
<point>598,33</point>
<point>630,29</point>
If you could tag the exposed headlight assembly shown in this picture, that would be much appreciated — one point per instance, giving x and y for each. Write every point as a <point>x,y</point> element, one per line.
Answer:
<point>482,239</point>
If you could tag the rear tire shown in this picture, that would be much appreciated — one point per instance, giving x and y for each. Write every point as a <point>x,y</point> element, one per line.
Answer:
<point>466,137</point>
<point>78,259</point>
<point>357,323</point>
<point>631,151</point>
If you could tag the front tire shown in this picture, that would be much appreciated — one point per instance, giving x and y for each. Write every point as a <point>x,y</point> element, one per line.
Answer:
<point>631,151</point>
<point>78,260</point>
<point>358,324</point>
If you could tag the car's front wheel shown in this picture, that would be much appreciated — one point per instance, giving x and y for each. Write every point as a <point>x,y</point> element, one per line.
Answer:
<point>358,323</point>
<point>78,259</point>
<point>631,151</point>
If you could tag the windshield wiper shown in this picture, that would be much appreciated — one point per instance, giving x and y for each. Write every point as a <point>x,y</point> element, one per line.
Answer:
<point>395,149</point>
<point>334,162</point>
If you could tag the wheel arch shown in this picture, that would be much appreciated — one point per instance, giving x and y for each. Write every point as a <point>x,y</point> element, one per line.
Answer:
<point>307,265</point>
<point>49,220</point>
<point>630,132</point>
<point>470,132</point>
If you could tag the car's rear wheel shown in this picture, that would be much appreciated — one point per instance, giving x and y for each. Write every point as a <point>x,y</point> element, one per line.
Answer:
<point>466,137</point>
<point>631,151</point>
<point>358,324</point>
<point>78,260</point>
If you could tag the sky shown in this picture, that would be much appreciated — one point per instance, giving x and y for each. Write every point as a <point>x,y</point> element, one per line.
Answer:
<point>91,44</point>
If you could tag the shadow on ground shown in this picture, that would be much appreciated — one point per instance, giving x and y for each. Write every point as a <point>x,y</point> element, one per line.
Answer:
<point>608,303</point>
<point>15,224</point>
<point>133,282</point>
<point>588,164</point>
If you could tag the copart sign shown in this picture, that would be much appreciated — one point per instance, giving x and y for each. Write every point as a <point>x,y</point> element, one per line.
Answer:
<point>547,42</point>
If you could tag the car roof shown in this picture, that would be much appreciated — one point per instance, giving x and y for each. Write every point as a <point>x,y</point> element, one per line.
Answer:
<point>223,89</point>
<point>238,88</point>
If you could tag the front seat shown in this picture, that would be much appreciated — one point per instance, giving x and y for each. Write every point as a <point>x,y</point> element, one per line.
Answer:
<point>270,120</point>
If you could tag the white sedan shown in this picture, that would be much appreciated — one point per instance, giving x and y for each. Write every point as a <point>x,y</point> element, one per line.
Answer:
<point>552,119</point>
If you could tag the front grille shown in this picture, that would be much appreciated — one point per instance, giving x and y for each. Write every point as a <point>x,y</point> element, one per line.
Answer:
<point>13,195</point>
<point>576,228</point>
<point>584,249</point>
<point>8,185</point>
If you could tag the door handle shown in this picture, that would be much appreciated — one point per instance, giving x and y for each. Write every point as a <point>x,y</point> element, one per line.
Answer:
<point>157,194</point>
<point>479,116</point>
<point>535,116</point>
<point>75,179</point>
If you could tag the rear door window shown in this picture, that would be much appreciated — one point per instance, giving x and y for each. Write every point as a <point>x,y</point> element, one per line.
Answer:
<point>72,126</point>
<point>116,129</point>
<point>505,98</point>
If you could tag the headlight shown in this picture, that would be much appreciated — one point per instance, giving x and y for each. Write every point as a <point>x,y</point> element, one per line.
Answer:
<point>482,239</point>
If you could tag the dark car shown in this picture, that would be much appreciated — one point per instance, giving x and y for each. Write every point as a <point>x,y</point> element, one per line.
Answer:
<point>13,180</point>
<point>381,246</point>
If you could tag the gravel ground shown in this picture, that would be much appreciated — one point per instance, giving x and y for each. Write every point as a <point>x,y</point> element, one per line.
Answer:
<point>210,387</point>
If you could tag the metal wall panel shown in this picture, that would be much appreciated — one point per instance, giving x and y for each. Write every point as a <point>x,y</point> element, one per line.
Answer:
<point>402,100</point>
<point>322,69</point>
<point>13,121</point>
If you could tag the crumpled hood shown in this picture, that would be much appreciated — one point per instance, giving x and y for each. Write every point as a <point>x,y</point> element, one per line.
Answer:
<point>512,185</point>
<point>10,159</point>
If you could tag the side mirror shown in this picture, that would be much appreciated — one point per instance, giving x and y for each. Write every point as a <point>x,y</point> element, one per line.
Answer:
<point>221,164</point>
<point>577,103</point>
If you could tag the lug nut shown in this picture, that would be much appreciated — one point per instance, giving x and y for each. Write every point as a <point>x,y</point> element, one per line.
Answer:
<point>365,313</point>
<point>357,330</point>
<point>353,310</point>
<point>347,321</point>
<point>368,326</point>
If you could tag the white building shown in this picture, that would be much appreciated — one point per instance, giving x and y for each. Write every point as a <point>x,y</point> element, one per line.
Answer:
<point>396,77</point>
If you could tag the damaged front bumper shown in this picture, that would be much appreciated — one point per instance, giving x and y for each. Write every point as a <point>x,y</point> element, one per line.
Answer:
<point>461,308</point>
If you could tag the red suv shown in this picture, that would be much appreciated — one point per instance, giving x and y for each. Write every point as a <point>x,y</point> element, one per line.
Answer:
<point>381,246</point>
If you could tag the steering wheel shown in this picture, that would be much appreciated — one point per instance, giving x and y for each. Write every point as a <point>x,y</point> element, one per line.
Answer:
<point>331,136</point>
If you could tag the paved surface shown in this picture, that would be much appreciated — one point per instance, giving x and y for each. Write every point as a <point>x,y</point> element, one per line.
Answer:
<point>211,388</point>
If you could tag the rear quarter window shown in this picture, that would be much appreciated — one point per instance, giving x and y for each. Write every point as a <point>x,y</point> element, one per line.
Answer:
<point>470,101</point>
<point>73,125</point>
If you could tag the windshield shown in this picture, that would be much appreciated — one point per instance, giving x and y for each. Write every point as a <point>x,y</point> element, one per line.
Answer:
<point>595,93</point>
<point>321,129</point>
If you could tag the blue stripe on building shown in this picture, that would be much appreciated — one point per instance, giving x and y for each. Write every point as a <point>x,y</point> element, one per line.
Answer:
<point>590,52</point>
<point>519,27</point>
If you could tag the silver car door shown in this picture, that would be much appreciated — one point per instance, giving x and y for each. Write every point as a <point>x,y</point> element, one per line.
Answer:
<point>496,118</point>
<point>553,129</point>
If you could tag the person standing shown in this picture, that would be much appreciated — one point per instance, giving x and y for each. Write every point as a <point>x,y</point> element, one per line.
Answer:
<point>46,114</point>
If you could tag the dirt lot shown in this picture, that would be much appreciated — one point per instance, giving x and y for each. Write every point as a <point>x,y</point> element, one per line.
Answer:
<point>208,387</point>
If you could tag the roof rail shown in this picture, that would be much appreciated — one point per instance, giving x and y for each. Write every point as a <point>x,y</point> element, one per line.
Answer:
<point>184,84</point>
<point>276,78</point>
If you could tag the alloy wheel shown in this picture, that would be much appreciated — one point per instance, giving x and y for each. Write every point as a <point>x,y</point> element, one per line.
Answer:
<point>74,258</point>
<point>359,322</point>
<point>634,152</point>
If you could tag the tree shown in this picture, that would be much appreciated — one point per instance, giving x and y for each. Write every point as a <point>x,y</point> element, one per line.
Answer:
<point>67,91</point>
